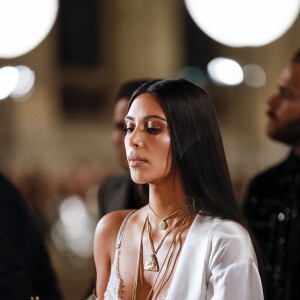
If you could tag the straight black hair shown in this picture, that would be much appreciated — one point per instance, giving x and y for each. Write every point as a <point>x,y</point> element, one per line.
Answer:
<point>197,148</point>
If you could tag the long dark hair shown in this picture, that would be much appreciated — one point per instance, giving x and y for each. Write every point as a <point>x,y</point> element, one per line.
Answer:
<point>197,148</point>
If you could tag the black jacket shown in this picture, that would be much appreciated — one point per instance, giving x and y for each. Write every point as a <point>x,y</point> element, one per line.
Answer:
<point>18,227</point>
<point>14,281</point>
<point>118,192</point>
<point>272,209</point>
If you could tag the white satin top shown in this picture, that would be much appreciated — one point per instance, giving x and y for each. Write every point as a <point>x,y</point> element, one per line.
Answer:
<point>217,262</point>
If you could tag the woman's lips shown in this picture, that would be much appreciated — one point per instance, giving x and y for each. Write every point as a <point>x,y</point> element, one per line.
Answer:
<point>135,161</point>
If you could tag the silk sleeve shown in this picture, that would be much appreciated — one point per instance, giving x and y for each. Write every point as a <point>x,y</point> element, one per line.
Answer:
<point>240,280</point>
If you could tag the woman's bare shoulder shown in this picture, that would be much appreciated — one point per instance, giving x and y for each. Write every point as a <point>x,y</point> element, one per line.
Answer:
<point>109,225</point>
<point>106,236</point>
<point>111,222</point>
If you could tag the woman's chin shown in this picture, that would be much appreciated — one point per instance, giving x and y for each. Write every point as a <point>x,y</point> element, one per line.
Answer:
<point>139,180</point>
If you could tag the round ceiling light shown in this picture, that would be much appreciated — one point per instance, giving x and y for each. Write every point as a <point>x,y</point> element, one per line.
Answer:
<point>24,24</point>
<point>244,23</point>
<point>225,71</point>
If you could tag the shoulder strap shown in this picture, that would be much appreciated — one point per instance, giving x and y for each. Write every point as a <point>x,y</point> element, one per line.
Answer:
<point>122,228</point>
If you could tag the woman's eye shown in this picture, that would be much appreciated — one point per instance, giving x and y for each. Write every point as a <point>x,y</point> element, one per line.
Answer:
<point>153,130</point>
<point>128,129</point>
<point>153,127</point>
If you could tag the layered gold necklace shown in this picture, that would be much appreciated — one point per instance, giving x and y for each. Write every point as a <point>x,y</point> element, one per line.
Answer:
<point>170,259</point>
<point>151,263</point>
<point>163,221</point>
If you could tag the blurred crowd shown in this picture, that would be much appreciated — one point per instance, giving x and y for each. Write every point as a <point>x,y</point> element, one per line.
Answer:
<point>45,192</point>
<point>65,209</point>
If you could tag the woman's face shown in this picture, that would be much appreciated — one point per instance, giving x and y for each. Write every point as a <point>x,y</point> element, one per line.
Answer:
<point>147,141</point>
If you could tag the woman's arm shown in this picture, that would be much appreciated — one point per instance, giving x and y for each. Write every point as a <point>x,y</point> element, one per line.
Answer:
<point>104,248</point>
<point>238,281</point>
<point>233,271</point>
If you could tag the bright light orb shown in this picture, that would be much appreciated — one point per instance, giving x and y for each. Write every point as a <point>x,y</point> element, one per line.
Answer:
<point>24,24</point>
<point>74,230</point>
<point>9,77</point>
<point>243,23</point>
<point>225,71</point>
<point>25,82</point>
<point>254,75</point>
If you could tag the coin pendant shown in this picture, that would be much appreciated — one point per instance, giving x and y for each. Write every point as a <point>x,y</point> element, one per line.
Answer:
<point>162,225</point>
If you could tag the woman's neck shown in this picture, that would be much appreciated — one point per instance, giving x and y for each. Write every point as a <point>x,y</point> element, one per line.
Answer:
<point>165,198</point>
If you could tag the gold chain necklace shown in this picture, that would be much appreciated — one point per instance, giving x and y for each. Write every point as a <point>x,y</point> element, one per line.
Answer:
<point>137,271</point>
<point>151,263</point>
<point>163,221</point>
<point>159,284</point>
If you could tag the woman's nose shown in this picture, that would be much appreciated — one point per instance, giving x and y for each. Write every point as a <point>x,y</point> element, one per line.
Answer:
<point>135,139</point>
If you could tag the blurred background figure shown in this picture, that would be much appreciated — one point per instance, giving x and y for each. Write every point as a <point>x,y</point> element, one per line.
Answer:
<point>37,188</point>
<point>20,230</point>
<point>273,200</point>
<point>73,224</point>
<point>65,208</point>
<point>76,217</point>
<point>14,281</point>
<point>118,191</point>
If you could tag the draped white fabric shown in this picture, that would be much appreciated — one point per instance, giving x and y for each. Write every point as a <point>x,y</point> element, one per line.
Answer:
<point>217,262</point>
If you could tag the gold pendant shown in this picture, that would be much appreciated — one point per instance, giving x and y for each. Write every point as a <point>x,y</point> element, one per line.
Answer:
<point>162,225</point>
<point>151,263</point>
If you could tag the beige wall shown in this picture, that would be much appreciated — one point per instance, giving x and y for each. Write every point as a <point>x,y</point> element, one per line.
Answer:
<point>134,45</point>
<point>139,39</point>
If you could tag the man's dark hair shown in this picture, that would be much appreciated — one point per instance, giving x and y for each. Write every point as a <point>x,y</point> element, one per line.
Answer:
<point>296,58</point>
<point>127,89</point>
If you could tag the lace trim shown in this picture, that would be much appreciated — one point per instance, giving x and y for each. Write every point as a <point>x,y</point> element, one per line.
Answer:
<point>115,286</point>
<point>115,289</point>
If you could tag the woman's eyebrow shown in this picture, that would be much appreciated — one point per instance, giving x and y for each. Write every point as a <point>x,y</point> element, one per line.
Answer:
<point>129,118</point>
<point>147,118</point>
<point>154,117</point>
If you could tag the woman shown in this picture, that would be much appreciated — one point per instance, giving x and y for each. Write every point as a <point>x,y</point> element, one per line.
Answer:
<point>190,242</point>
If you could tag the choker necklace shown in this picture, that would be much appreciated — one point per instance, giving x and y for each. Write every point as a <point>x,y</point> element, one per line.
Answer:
<point>163,221</point>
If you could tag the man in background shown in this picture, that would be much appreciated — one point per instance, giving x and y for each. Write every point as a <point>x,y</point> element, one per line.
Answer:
<point>118,191</point>
<point>273,200</point>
